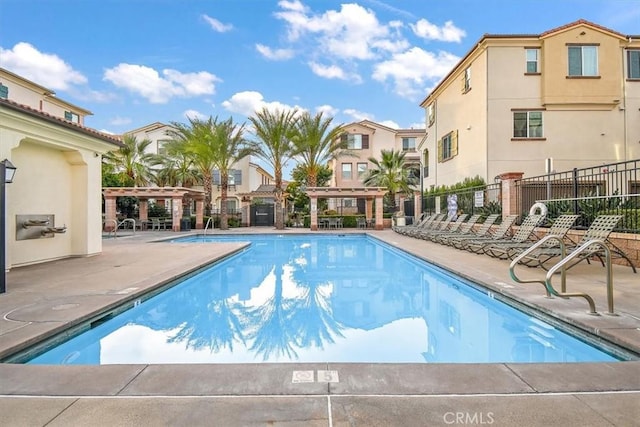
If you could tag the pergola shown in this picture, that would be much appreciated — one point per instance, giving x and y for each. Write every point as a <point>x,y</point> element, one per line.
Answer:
<point>143,194</point>
<point>368,193</point>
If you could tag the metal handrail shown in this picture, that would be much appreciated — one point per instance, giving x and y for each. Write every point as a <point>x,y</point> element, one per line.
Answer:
<point>586,246</point>
<point>115,226</point>
<point>562,266</point>
<point>133,221</point>
<point>541,242</point>
<point>209,221</point>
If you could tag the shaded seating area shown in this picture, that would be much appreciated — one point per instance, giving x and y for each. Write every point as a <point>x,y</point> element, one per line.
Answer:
<point>178,196</point>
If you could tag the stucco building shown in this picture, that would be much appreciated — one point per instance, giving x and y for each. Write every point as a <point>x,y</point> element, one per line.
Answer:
<point>532,103</point>
<point>53,205</point>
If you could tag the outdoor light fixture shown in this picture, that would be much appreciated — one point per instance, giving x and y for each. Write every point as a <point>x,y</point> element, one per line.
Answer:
<point>8,171</point>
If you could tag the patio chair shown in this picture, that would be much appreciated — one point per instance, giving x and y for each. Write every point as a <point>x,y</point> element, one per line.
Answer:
<point>450,227</point>
<point>599,230</point>
<point>406,228</point>
<point>431,222</point>
<point>501,232</point>
<point>500,249</point>
<point>361,222</point>
<point>481,231</point>
<point>464,229</point>
<point>559,228</point>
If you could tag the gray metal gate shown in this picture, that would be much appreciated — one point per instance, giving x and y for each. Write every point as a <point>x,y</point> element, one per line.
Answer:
<point>262,215</point>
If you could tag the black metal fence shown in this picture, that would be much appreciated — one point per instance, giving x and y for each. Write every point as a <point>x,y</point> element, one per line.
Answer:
<point>483,200</point>
<point>612,189</point>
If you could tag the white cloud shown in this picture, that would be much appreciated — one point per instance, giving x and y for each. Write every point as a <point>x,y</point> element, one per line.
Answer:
<point>45,69</point>
<point>193,114</point>
<point>327,110</point>
<point>328,71</point>
<point>274,54</point>
<point>357,115</point>
<point>248,102</point>
<point>120,121</point>
<point>429,31</point>
<point>418,125</point>
<point>414,71</point>
<point>217,25</point>
<point>159,89</point>
<point>390,124</point>
<point>353,32</point>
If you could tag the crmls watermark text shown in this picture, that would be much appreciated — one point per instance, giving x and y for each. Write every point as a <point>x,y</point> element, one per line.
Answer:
<point>469,418</point>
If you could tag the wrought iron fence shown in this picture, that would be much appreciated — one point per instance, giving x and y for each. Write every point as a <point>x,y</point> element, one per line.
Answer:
<point>612,189</point>
<point>483,200</point>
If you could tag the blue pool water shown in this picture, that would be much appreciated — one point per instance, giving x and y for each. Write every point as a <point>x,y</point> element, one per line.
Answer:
<point>304,298</point>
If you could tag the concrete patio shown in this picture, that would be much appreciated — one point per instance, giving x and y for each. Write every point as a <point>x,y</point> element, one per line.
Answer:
<point>45,299</point>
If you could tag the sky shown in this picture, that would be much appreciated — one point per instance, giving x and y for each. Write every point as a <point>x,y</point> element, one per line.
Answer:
<point>136,62</point>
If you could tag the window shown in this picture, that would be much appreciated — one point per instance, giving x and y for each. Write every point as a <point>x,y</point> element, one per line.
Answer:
<point>533,60</point>
<point>466,81</point>
<point>448,146</point>
<point>408,144</point>
<point>231,205</point>
<point>234,177</point>
<point>527,124</point>
<point>4,91</point>
<point>162,149</point>
<point>362,169</point>
<point>431,114</point>
<point>583,61</point>
<point>355,141</point>
<point>425,164</point>
<point>346,171</point>
<point>349,203</point>
<point>72,117</point>
<point>633,64</point>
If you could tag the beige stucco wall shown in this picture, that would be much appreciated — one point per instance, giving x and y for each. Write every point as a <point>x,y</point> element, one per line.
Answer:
<point>59,173</point>
<point>586,121</point>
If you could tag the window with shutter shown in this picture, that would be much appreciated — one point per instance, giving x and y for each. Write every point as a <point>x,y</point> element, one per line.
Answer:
<point>4,91</point>
<point>237,176</point>
<point>365,142</point>
<point>633,64</point>
<point>216,177</point>
<point>440,151</point>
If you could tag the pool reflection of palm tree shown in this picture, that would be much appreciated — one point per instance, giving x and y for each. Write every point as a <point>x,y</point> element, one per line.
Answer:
<point>269,326</point>
<point>313,319</point>
<point>214,321</point>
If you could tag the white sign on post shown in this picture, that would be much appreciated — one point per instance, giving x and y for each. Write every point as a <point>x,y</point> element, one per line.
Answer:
<point>478,199</point>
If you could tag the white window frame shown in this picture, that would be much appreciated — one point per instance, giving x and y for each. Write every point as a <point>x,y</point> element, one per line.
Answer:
<point>347,171</point>
<point>533,131</point>
<point>362,170</point>
<point>588,61</point>
<point>532,56</point>
<point>408,146</point>
<point>446,146</point>
<point>354,141</point>
<point>633,66</point>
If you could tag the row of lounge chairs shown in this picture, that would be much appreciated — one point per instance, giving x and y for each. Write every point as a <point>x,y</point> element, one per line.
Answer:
<point>498,241</point>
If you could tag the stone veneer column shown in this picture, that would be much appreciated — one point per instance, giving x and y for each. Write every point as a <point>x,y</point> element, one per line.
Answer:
<point>379,213</point>
<point>176,204</point>
<point>510,193</point>
<point>199,214</point>
<point>314,212</point>
<point>110,212</point>
<point>143,209</point>
<point>417,206</point>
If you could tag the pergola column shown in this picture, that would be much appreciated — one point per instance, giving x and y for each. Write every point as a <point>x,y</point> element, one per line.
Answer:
<point>379,213</point>
<point>369,208</point>
<point>143,209</point>
<point>199,214</point>
<point>110,213</point>
<point>176,204</point>
<point>313,200</point>
<point>509,192</point>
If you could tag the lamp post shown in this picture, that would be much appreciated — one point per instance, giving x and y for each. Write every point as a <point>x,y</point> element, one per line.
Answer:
<point>7,171</point>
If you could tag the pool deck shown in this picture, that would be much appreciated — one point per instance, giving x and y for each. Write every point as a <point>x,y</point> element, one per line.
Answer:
<point>47,298</point>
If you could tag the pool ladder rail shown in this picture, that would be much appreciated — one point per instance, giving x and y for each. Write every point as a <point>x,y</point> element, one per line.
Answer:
<point>117,225</point>
<point>209,222</point>
<point>588,246</point>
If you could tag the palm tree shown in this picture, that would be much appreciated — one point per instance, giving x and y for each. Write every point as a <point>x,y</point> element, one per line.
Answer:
<point>389,172</point>
<point>316,143</point>
<point>176,167</point>
<point>275,131</point>
<point>231,147</point>
<point>198,141</point>
<point>132,161</point>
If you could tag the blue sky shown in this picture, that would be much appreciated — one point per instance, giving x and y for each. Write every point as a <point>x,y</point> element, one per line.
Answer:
<point>135,62</point>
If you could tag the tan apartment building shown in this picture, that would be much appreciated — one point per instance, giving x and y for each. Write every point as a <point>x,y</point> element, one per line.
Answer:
<point>367,139</point>
<point>245,178</point>
<point>53,205</point>
<point>563,99</point>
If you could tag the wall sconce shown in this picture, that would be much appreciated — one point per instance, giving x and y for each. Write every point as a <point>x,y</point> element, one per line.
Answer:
<point>9,171</point>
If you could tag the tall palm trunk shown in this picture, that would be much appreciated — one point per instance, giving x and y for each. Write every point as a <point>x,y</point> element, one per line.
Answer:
<point>224,181</point>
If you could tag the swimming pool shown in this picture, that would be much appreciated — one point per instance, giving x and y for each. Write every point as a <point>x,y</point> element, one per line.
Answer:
<point>321,298</point>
